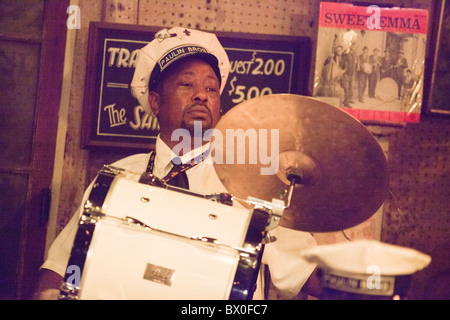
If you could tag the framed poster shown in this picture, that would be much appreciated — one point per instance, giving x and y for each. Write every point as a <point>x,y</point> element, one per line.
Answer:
<point>112,117</point>
<point>437,81</point>
<point>370,61</point>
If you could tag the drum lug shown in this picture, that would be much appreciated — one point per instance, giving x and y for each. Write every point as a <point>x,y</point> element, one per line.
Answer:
<point>68,292</point>
<point>207,240</point>
<point>135,222</point>
<point>91,215</point>
<point>223,198</point>
<point>248,261</point>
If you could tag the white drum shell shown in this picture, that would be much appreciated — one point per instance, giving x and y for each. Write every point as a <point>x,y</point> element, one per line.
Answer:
<point>119,254</point>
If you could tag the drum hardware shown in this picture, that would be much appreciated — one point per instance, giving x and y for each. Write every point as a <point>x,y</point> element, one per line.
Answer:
<point>274,209</point>
<point>207,240</point>
<point>91,217</point>
<point>68,291</point>
<point>247,252</point>
<point>294,177</point>
<point>145,199</point>
<point>268,238</point>
<point>342,168</point>
<point>212,216</point>
<point>224,198</point>
<point>248,256</point>
<point>135,222</point>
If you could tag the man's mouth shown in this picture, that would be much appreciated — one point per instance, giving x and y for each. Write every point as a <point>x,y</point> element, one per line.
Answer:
<point>198,111</point>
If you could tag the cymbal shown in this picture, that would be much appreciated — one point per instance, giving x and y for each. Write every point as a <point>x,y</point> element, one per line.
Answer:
<point>343,170</point>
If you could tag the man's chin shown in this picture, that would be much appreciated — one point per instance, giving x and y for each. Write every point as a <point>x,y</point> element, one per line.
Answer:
<point>196,126</point>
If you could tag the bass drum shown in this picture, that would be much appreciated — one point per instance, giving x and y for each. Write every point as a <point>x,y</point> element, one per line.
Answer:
<point>136,241</point>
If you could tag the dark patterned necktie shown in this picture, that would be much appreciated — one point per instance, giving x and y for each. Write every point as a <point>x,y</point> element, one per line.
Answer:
<point>177,176</point>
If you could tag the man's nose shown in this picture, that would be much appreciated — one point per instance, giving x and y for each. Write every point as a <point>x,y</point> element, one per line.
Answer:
<point>200,94</point>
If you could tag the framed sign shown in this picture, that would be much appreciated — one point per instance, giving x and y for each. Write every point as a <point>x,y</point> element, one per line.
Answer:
<point>263,65</point>
<point>437,82</point>
<point>112,117</point>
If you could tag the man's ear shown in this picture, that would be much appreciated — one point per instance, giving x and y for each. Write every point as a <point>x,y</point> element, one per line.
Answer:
<point>154,100</point>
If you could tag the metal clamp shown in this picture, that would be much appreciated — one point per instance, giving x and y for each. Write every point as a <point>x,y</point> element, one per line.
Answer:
<point>274,208</point>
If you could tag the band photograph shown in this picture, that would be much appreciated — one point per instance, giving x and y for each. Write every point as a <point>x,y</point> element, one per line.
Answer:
<point>375,70</point>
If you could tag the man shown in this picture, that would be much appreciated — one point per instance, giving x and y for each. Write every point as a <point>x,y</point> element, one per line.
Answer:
<point>399,71</point>
<point>349,58</point>
<point>374,76</point>
<point>179,78</point>
<point>408,83</point>
<point>387,64</point>
<point>332,74</point>
<point>363,74</point>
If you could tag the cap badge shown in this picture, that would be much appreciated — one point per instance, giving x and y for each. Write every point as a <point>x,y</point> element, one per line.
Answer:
<point>164,34</point>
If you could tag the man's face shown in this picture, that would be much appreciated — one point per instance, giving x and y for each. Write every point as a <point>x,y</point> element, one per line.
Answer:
<point>188,94</point>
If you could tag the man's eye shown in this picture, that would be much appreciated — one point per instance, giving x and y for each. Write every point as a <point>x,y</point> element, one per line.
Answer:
<point>185,84</point>
<point>211,89</point>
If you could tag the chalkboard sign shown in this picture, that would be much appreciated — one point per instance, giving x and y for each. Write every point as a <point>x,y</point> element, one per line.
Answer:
<point>263,65</point>
<point>260,65</point>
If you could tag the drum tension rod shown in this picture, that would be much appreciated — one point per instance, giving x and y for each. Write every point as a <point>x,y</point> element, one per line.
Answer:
<point>294,176</point>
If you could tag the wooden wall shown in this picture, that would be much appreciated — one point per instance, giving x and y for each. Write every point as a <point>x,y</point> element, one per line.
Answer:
<point>416,215</point>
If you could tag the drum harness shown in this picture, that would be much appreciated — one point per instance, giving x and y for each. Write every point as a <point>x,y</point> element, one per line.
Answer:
<point>177,175</point>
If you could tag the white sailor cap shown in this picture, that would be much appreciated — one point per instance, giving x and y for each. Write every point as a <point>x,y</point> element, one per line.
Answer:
<point>366,267</point>
<point>170,46</point>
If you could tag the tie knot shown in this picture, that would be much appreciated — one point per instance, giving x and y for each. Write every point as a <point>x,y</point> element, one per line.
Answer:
<point>177,161</point>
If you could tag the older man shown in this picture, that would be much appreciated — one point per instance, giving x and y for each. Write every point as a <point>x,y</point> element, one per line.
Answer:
<point>179,78</point>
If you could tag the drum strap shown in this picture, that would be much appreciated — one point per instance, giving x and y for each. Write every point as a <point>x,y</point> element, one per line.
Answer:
<point>177,175</point>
